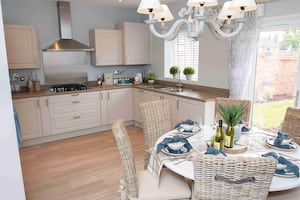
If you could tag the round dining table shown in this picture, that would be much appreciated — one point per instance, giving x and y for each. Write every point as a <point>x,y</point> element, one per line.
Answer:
<point>254,140</point>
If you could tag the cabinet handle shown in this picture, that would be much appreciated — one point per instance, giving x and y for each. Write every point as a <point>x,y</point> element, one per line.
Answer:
<point>101,96</point>
<point>47,103</point>
<point>38,103</point>
<point>76,117</point>
<point>107,96</point>
<point>75,95</point>
<point>161,97</point>
<point>141,91</point>
<point>75,101</point>
<point>177,102</point>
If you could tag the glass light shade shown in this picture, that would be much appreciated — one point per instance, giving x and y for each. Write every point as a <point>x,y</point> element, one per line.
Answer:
<point>227,14</point>
<point>243,5</point>
<point>149,6</point>
<point>164,16</point>
<point>206,3</point>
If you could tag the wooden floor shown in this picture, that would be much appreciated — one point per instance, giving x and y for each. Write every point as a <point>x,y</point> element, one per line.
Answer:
<point>82,168</point>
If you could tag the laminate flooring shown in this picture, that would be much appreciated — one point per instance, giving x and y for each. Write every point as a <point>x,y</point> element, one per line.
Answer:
<point>81,168</point>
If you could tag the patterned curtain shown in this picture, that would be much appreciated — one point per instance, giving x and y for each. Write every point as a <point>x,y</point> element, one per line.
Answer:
<point>243,52</point>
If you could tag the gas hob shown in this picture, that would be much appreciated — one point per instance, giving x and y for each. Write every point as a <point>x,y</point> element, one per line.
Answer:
<point>67,87</point>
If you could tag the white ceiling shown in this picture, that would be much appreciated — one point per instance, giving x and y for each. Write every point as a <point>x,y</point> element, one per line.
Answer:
<point>132,3</point>
<point>114,3</point>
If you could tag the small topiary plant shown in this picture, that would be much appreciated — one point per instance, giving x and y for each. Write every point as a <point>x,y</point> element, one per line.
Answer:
<point>174,70</point>
<point>188,71</point>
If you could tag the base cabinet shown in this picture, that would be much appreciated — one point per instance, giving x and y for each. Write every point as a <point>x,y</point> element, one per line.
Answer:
<point>116,104</point>
<point>29,114</point>
<point>180,108</point>
<point>76,111</point>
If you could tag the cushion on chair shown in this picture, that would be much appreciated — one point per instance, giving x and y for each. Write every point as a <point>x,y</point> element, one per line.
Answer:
<point>171,186</point>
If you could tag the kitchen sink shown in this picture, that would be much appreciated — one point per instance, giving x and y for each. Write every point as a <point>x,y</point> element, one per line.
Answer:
<point>165,88</point>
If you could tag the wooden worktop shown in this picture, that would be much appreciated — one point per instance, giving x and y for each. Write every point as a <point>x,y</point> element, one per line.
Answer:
<point>194,92</point>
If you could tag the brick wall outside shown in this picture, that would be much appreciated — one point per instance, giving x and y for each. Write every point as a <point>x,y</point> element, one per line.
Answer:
<point>275,77</point>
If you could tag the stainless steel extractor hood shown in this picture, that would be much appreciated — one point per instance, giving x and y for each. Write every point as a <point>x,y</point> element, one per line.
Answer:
<point>66,42</point>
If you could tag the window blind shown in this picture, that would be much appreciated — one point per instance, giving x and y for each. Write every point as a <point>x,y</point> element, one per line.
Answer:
<point>182,51</point>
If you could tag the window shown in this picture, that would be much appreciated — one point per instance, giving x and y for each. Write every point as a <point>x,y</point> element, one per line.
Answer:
<point>182,51</point>
<point>277,74</point>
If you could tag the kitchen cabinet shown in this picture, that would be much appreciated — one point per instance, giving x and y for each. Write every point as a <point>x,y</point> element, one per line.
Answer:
<point>75,111</point>
<point>108,47</point>
<point>22,47</point>
<point>141,96</point>
<point>30,117</point>
<point>136,43</point>
<point>180,108</point>
<point>116,104</point>
<point>195,110</point>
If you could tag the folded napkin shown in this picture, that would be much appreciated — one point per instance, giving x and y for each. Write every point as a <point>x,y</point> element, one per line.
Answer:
<point>244,128</point>
<point>188,121</point>
<point>290,167</point>
<point>211,150</point>
<point>176,138</point>
<point>279,141</point>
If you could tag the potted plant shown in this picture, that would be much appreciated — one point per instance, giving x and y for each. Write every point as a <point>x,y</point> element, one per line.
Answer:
<point>174,71</point>
<point>188,72</point>
<point>236,111</point>
<point>150,76</point>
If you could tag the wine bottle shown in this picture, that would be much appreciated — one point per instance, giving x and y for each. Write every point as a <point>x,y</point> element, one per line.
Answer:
<point>219,137</point>
<point>229,135</point>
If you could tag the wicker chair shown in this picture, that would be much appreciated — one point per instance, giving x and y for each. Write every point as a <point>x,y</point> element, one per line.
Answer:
<point>156,121</point>
<point>142,185</point>
<point>291,123</point>
<point>219,177</point>
<point>224,101</point>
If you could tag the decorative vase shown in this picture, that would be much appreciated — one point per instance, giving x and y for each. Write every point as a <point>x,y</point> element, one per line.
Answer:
<point>188,77</point>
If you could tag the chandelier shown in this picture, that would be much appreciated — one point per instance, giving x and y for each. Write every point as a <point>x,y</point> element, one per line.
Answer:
<point>226,22</point>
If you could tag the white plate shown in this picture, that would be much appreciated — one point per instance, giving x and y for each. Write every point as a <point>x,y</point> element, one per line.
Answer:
<point>165,151</point>
<point>270,142</point>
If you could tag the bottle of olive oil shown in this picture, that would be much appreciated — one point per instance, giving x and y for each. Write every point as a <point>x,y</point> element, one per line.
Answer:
<point>219,137</point>
<point>229,135</point>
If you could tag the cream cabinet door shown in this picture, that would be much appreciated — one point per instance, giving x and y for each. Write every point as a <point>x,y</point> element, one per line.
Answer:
<point>120,104</point>
<point>137,43</point>
<point>108,47</point>
<point>22,47</point>
<point>202,112</point>
<point>29,117</point>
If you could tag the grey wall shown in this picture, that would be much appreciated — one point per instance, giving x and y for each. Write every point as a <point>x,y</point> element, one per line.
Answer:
<point>43,15</point>
<point>213,58</point>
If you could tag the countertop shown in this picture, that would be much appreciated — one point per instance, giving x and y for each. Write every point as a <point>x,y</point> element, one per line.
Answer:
<point>196,92</point>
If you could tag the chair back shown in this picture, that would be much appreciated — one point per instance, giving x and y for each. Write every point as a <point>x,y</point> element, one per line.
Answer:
<point>156,120</point>
<point>219,177</point>
<point>125,149</point>
<point>291,123</point>
<point>229,101</point>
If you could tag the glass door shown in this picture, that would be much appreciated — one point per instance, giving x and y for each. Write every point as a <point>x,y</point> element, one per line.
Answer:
<point>277,78</point>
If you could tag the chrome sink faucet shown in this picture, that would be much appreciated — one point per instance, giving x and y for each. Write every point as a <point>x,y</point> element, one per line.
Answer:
<point>179,84</point>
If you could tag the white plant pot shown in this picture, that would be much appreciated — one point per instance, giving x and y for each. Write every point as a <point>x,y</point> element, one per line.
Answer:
<point>237,131</point>
<point>151,81</point>
<point>188,77</point>
<point>175,76</point>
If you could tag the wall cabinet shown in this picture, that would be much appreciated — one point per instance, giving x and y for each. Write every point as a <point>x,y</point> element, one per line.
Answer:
<point>136,43</point>
<point>21,46</point>
<point>30,117</point>
<point>108,47</point>
<point>116,104</point>
<point>76,111</point>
